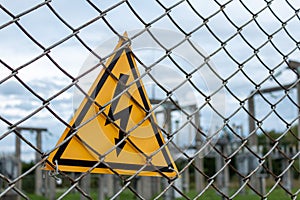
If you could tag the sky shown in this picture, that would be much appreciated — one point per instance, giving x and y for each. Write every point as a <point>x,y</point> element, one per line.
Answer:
<point>46,79</point>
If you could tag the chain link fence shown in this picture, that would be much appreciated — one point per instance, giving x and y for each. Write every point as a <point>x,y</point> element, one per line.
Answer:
<point>222,78</point>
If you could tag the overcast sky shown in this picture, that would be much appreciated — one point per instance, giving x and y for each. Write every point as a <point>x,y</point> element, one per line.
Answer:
<point>46,79</point>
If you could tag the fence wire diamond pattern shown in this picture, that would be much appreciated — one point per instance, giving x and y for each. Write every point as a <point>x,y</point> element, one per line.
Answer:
<point>222,78</point>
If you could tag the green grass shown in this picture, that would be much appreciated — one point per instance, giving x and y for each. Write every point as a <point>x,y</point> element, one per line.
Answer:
<point>210,194</point>
<point>76,195</point>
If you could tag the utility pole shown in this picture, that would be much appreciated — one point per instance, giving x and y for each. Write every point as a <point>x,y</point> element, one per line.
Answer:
<point>199,181</point>
<point>168,116</point>
<point>85,184</point>
<point>253,138</point>
<point>19,163</point>
<point>38,172</point>
<point>168,109</point>
<point>294,65</point>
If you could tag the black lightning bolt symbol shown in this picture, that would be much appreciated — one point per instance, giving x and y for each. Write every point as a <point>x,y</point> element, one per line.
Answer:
<point>123,115</point>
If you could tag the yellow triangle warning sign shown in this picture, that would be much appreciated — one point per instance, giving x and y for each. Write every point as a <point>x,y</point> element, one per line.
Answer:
<point>114,124</point>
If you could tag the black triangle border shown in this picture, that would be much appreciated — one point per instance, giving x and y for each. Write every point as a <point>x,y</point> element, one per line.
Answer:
<point>114,165</point>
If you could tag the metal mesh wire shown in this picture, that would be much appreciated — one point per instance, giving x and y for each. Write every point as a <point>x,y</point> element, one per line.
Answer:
<point>239,137</point>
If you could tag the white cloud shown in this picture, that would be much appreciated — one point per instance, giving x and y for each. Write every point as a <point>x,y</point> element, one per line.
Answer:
<point>46,79</point>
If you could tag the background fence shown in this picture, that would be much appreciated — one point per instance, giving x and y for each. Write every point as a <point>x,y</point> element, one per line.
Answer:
<point>222,76</point>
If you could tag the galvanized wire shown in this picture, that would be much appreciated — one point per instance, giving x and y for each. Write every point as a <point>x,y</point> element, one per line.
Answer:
<point>207,143</point>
